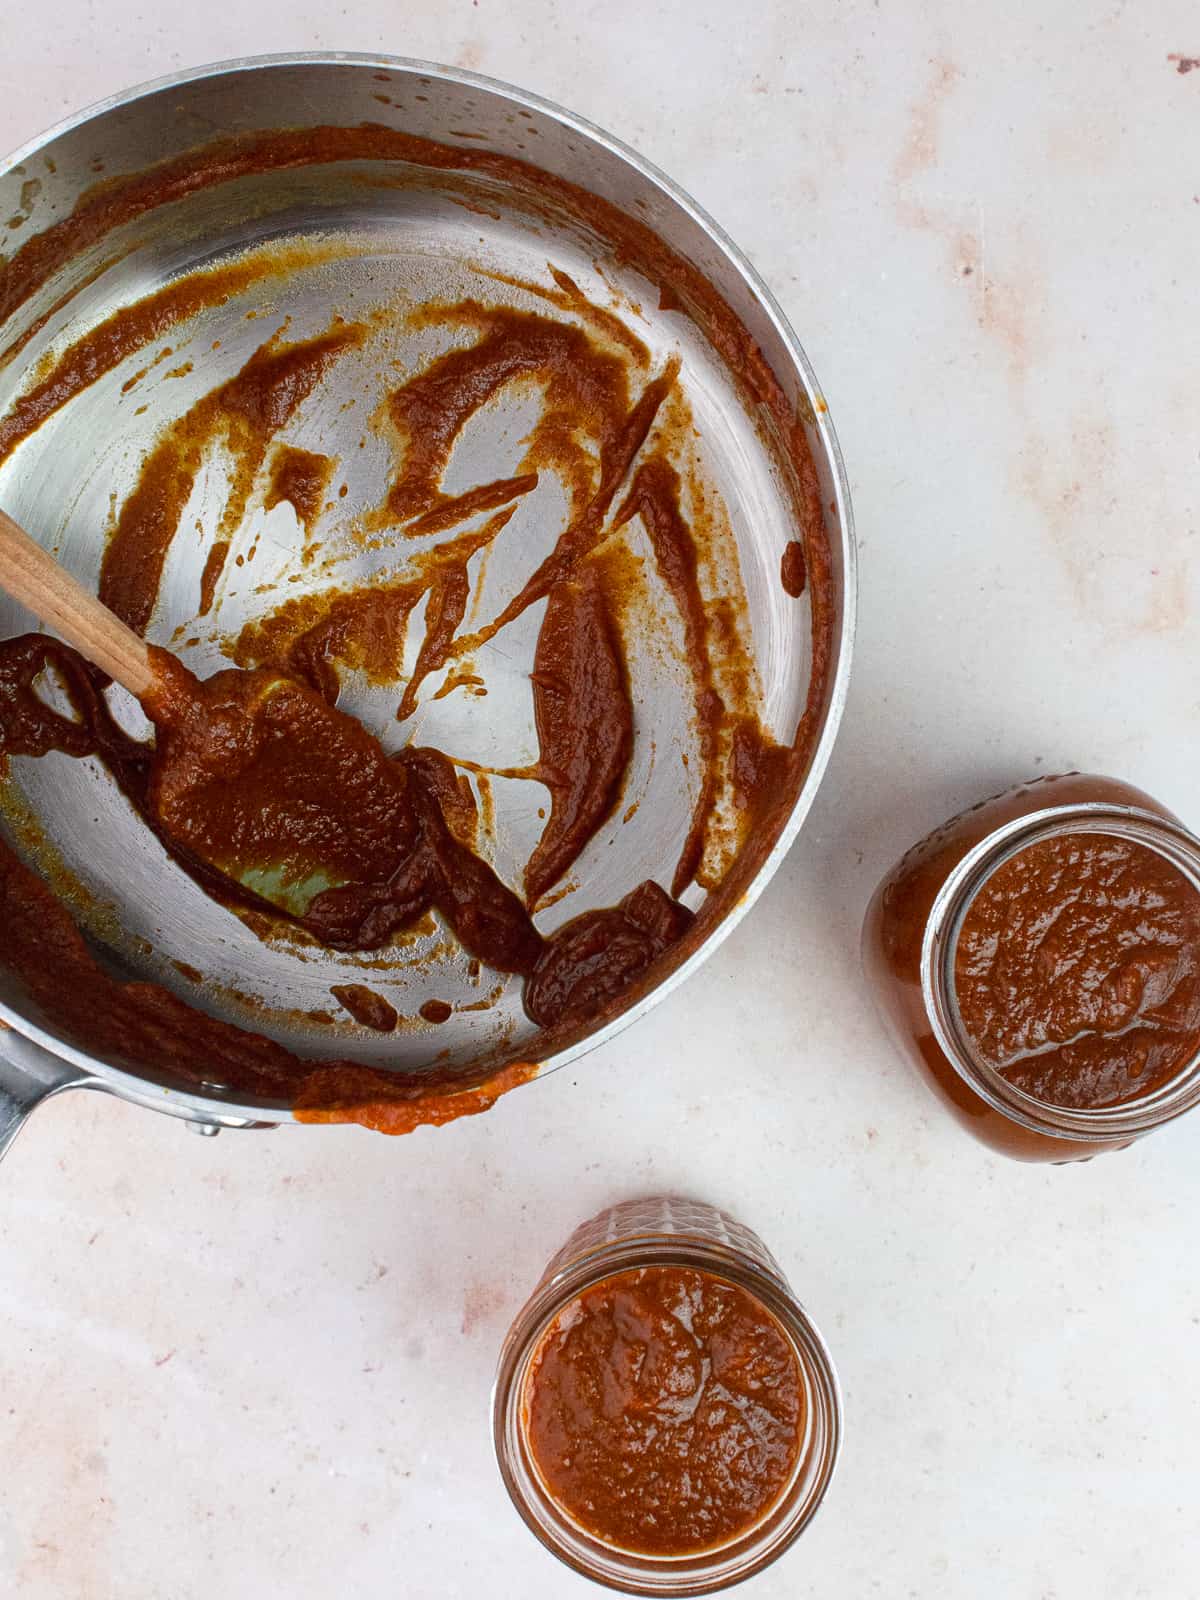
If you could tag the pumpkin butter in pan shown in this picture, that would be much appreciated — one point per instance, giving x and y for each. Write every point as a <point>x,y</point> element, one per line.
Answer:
<point>618,516</point>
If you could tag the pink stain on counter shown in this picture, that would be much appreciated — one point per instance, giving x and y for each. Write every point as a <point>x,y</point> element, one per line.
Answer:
<point>482,1305</point>
<point>922,145</point>
<point>1117,581</point>
<point>1002,310</point>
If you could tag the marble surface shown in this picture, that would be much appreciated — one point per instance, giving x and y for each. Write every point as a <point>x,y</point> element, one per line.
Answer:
<point>259,1365</point>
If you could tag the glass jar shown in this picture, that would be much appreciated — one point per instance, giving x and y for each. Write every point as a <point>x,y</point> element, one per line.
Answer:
<point>674,1233</point>
<point>910,943</point>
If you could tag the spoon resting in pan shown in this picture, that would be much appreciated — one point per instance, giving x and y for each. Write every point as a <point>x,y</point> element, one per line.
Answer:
<point>258,778</point>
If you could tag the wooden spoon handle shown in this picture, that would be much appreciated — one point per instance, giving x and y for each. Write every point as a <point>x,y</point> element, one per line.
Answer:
<point>32,576</point>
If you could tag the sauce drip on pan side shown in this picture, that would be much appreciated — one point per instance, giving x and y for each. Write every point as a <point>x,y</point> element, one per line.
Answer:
<point>151,1029</point>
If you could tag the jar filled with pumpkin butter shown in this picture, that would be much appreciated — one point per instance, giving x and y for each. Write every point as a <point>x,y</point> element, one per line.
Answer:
<point>666,1417</point>
<point>1038,957</point>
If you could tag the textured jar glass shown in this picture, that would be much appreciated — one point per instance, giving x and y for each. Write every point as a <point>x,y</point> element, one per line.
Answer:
<point>910,943</point>
<point>667,1232</point>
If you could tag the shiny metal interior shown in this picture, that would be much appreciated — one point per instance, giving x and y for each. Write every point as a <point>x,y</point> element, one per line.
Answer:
<point>385,244</point>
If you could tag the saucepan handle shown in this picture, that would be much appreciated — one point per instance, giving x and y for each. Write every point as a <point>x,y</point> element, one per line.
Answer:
<point>29,1075</point>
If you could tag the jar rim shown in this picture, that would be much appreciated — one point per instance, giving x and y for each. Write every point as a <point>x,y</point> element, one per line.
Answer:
<point>939,948</point>
<point>706,1571</point>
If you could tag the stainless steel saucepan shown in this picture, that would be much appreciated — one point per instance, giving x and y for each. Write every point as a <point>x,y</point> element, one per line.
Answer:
<point>373,234</point>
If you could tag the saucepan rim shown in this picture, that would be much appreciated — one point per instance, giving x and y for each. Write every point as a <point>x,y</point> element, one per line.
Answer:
<point>219,1108</point>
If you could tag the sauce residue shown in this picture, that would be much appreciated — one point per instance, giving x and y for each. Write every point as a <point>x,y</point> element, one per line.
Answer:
<point>593,959</point>
<point>793,569</point>
<point>366,1006</point>
<point>654,497</point>
<point>1077,970</point>
<point>664,1411</point>
<point>104,347</point>
<point>584,723</point>
<point>582,382</point>
<point>255,781</point>
<point>364,628</point>
<point>153,1030</point>
<point>361,1095</point>
<point>585,530</point>
<point>300,479</point>
<point>244,414</point>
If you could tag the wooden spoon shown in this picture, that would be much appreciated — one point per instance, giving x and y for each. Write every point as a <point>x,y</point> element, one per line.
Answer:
<point>32,576</point>
<point>260,778</point>
<point>254,774</point>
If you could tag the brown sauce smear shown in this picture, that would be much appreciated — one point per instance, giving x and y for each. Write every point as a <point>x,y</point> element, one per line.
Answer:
<point>450,788</point>
<point>567,296</point>
<point>1078,970</point>
<point>360,1094</point>
<point>104,347</point>
<point>300,479</point>
<point>584,723</point>
<point>364,628</point>
<point>444,612</point>
<point>584,531</point>
<point>654,497</point>
<point>793,569</point>
<point>584,387</point>
<point>309,637</point>
<point>596,957</point>
<point>455,508</point>
<point>365,1006</point>
<point>664,1410</point>
<point>29,726</point>
<point>244,414</point>
<point>762,771</point>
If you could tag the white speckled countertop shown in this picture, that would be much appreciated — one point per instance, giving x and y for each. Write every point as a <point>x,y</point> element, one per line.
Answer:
<point>259,1365</point>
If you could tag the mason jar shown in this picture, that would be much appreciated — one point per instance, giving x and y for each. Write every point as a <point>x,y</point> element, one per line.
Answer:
<point>910,953</point>
<point>637,1237</point>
